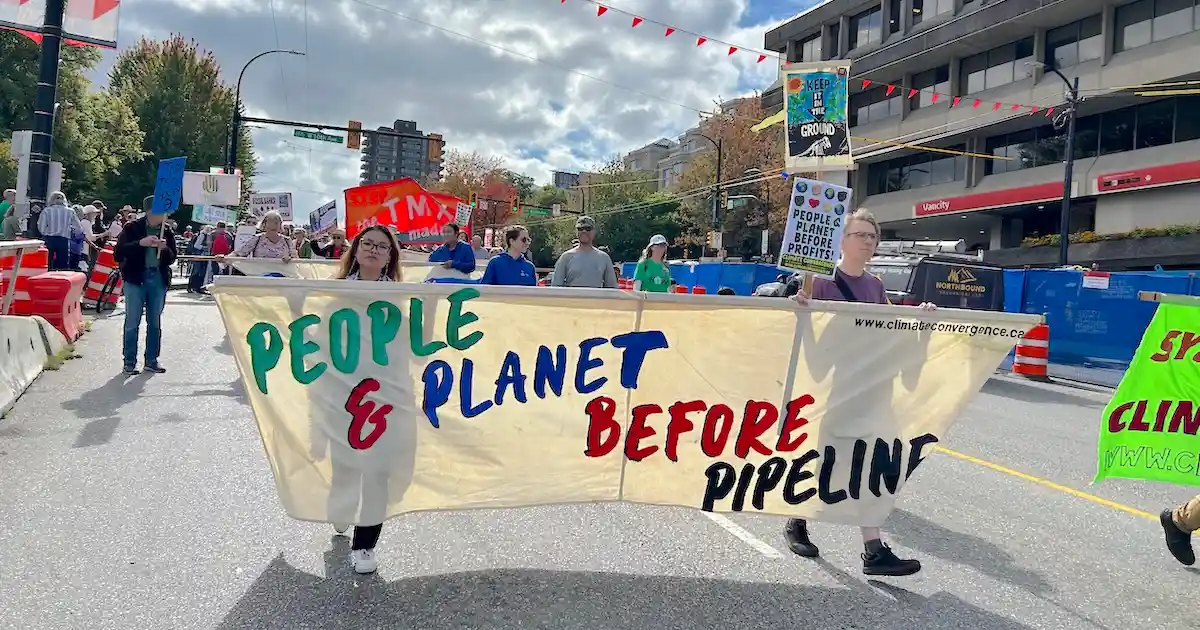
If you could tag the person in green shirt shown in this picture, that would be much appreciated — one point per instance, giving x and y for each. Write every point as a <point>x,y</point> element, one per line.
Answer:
<point>651,274</point>
<point>10,223</point>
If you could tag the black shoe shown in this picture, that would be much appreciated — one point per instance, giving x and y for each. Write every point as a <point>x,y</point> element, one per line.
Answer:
<point>796,533</point>
<point>1179,542</point>
<point>156,368</point>
<point>131,370</point>
<point>882,561</point>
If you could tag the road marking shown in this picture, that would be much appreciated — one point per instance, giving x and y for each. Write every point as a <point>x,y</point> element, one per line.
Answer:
<point>1050,484</point>
<point>741,534</point>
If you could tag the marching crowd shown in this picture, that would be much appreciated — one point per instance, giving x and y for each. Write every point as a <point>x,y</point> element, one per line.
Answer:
<point>145,244</point>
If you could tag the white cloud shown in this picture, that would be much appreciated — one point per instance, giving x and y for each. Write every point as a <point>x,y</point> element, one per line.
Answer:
<point>365,62</point>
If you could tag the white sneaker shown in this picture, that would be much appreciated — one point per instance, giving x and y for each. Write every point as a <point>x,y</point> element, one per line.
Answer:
<point>341,528</point>
<point>364,561</point>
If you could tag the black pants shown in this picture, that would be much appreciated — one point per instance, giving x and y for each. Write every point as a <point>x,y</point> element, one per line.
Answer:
<point>366,537</point>
<point>59,249</point>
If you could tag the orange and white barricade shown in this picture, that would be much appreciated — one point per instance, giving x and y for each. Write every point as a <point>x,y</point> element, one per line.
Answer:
<point>105,265</point>
<point>32,263</point>
<point>1032,356</point>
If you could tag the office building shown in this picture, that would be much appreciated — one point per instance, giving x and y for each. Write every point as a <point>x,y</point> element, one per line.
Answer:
<point>564,180</point>
<point>413,154</point>
<point>1135,155</point>
<point>646,159</point>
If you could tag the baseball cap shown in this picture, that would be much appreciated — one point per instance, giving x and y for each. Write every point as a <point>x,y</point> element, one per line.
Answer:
<point>658,239</point>
<point>585,223</point>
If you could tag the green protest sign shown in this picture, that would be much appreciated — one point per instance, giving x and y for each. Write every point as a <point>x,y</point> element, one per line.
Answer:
<point>1148,430</point>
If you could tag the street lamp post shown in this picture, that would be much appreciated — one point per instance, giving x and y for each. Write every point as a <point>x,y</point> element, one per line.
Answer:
<point>716,202</point>
<point>236,123</point>
<point>1064,221</point>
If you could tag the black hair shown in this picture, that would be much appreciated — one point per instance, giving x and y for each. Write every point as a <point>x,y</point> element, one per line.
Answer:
<point>454,226</point>
<point>726,291</point>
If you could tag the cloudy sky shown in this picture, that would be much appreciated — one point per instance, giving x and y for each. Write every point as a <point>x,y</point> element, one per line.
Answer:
<point>545,84</point>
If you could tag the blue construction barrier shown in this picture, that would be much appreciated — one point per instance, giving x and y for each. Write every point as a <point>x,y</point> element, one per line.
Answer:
<point>741,277</point>
<point>1093,332</point>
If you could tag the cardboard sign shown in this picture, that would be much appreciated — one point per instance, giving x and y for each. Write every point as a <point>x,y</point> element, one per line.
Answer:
<point>262,203</point>
<point>812,238</point>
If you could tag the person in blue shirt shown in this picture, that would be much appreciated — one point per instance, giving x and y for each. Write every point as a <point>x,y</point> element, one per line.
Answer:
<point>452,253</point>
<point>512,267</point>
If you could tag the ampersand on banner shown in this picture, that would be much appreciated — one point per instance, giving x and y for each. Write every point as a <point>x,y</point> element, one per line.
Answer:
<point>362,412</point>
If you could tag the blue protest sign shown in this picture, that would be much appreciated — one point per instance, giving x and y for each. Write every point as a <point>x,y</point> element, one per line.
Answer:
<point>168,186</point>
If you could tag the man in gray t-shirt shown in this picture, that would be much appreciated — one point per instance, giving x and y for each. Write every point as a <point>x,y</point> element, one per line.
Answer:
<point>584,265</point>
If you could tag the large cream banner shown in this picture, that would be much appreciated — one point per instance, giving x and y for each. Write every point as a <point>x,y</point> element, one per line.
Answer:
<point>375,400</point>
<point>322,269</point>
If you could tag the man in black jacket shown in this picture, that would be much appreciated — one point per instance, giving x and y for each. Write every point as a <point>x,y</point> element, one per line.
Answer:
<point>145,251</point>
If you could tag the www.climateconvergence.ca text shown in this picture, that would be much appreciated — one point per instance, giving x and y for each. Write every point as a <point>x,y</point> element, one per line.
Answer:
<point>942,327</point>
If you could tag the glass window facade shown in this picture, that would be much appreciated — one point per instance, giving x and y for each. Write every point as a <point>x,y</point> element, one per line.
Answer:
<point>1139,127</point>
<point>1147,21</point>
<point>874,105</point>
<point>930,81</point>
<point>1074,43</point>
<point>916,171</point>
<point>810,49</point>
<point>926,9</point>
<point>999,66</point>
<point>866,28</point>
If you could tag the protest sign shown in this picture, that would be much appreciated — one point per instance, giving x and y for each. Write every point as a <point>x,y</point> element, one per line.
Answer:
<point>213,214</point>
<point>218,189</point>
<point>323,219</point>
<point>168,185</point>
<point>812,237</point>
<point>373,401</point>
<point>243,235</point>
<point>318,269</point>
<point>262,203</point>
<point>815,103</point>
<point>1148,430</point>
<point>417,214</point>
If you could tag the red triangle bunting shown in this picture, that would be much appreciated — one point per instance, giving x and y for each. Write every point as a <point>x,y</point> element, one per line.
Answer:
<point>956,100</point>
<point>761,58</point>
<point>996,107</point>
<point>1049,112</point>
<point>934,98</point>
<point>1033,109</point>
<point>866,83</point>
<point>891,88</point>
<point>732,49</point>
<point>601,10</point>
<point>913,92</point>
<point>976,104</point>
<point>669,31</point>
<point>1016,107</point>
<point>636,21</point>
<point>700,41</point>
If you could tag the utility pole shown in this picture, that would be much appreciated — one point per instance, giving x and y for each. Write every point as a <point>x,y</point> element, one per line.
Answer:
<point>1064,228</point>
<point>41,142</point>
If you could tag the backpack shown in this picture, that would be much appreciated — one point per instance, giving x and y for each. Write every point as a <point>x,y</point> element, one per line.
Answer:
<point>222,243</point>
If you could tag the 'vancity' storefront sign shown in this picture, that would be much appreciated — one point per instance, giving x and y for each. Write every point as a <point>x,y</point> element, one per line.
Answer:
<point>996,199</point>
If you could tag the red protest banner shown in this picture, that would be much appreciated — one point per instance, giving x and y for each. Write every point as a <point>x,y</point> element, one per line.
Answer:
<point>417,214</point>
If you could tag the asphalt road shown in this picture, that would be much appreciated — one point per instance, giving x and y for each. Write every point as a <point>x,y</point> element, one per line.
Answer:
<point>147,504</point>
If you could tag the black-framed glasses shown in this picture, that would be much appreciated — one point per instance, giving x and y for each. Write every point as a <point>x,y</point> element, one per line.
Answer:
<point>584,229</point>
<point>376,247</point>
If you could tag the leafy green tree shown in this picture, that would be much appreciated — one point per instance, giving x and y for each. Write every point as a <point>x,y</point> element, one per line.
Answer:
<point>175,90</point>
<point>523,183</point>
<point>550,237</point>
<point>94,134</point>
<point>8,166</point>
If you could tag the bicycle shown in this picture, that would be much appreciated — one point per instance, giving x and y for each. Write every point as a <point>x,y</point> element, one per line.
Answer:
<point>109,288</point>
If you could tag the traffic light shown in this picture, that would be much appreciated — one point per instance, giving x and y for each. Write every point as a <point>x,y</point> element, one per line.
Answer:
<point>473,199</point>
<point>708,239</point>
<point>725,200</point>
<point>354,137</point>
<point>516,203</point>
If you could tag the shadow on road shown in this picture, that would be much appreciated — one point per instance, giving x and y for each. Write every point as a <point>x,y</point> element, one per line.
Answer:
<point>101,405</point>
<point>283,597</point>
<point>1036,395</point>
